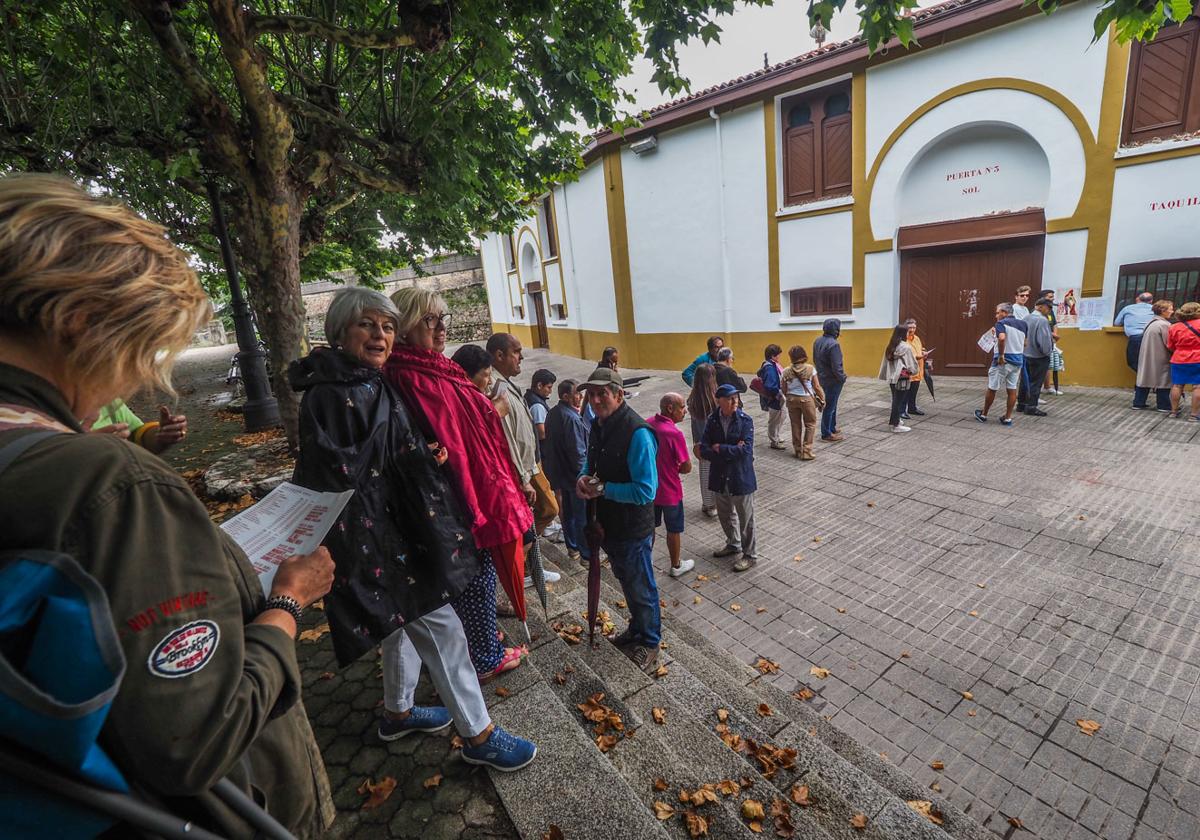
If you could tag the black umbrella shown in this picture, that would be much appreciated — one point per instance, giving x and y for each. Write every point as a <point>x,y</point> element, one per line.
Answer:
<point>929,379</point>
<point>595,536</point>
<point>537,571</point>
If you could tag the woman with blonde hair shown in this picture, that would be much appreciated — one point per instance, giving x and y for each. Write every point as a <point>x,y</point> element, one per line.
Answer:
<point>701,402</point>
<point>95,304</point>
<point>453,411</point>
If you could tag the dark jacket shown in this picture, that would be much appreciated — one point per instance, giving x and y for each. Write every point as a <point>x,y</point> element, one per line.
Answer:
<point>135,526</point>
<point>608,455</point>
<point>772,396</point>
<point>726,375</point>
<point>565,447</point>
<point>827,353</point>
<point>732,468</point>
<point>1039,340</point>
<point>402,546</point>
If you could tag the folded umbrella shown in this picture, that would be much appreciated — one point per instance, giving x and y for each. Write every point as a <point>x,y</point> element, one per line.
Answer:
<point>929,379</point>
<point>537,571</point>
<point>595,536</point>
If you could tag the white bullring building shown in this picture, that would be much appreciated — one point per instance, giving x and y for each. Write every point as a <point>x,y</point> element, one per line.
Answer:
<point>1006,150</point>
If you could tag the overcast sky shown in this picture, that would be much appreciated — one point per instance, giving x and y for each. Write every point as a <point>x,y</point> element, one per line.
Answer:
<point>780,30</point>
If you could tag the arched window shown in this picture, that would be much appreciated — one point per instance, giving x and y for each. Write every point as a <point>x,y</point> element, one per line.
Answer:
<point>817,145</point>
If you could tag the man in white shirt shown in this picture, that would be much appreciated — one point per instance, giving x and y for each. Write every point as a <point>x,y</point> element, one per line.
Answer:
<point>1021,302</point>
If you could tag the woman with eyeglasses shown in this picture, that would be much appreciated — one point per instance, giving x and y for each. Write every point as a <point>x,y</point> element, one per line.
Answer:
<point>452,410</point>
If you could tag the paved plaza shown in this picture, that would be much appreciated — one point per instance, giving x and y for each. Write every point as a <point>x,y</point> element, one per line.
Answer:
<point>974,591</point>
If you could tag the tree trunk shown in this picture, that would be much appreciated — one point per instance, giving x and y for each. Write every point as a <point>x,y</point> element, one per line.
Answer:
<point>276,293</point>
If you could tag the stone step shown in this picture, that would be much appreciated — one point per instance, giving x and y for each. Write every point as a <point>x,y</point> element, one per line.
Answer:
<point>570,784</point>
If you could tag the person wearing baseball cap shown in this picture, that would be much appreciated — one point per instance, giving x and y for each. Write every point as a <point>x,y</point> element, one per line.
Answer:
<point>728,443</point>
<point>621,474</point>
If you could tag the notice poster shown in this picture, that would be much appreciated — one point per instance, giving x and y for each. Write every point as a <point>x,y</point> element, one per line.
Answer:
<point>1094,313</point>
<point>288,520</point>
<point>1066,307</point>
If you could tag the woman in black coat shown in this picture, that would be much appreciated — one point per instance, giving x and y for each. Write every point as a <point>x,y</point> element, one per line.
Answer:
<point>402,547</point>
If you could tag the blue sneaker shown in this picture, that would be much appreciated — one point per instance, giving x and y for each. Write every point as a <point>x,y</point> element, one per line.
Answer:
<point>501,751</point>
<point>422,719</point>
<point>980,416</point>
<point>1006,421</point>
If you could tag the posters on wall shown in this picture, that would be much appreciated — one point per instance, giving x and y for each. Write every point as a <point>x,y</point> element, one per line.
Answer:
<point>1071,310</point>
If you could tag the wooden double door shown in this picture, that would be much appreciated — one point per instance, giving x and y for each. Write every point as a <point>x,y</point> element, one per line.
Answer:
<point>952,290</point>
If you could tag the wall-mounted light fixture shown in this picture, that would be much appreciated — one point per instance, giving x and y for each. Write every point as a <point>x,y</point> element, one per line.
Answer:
<point>644,146</point>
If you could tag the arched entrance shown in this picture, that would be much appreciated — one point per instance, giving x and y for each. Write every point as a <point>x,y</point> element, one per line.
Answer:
<point>972,231</point>
<point>531,277</point>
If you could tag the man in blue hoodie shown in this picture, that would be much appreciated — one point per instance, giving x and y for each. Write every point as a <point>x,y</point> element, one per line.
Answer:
<point>709,356</point>
<point>728,442</point>
<point>827,359</point>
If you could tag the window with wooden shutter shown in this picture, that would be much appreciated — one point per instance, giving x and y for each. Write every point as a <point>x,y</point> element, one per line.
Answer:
<point>825,300</point>
<point>1162,97</point>
<point>817,145</point>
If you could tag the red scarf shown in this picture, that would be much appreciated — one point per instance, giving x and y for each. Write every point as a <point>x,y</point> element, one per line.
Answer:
<point>463,420</point>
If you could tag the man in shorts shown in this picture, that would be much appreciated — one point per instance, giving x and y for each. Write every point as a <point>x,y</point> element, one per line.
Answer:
<point>1008,359</point>
<point>673,461</point>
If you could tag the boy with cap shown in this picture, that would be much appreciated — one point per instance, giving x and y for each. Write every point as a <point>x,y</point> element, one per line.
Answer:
<point>728,442</point>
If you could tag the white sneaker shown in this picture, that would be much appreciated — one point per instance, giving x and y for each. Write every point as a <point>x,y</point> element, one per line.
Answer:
<point>551,577</point>
<point>901,428</point>
<point>1057,393</point>
<point>685,566</point>
<point>1042,402</point>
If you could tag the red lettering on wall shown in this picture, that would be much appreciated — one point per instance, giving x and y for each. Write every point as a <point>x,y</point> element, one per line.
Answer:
<point>1175,203</point>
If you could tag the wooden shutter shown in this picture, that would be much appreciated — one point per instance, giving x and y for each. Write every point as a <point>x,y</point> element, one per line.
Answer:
<point>1163,86</point>
<point>836,300</point>
<point>799,164</point>
<point>835,147</point>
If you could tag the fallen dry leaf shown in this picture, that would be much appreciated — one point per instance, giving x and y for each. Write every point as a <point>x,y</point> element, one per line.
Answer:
<point>735,607</point>
<point>819,673</point>
<point>870,504</point>
<point>982,585</point>
<point>937,764</point>
<point>1088,727</point>
<point>659,715</point>
<point>755,826</point>
<point>935,787</point>
<point>799,558</point>
<point>817,539</point>
<point>326,675</point>
<point>552,833</point>
<point>764,710</point>
<point>433,781</point>
<point>701,577</point>
<point>560,678</point>
<point>905,654</point>
<point>968,695</point>
<point>1081,518</point>
<point>722,715</point>
<point>974,613</point>
<point>804,693</point>
<point>766,666</point>
<point>971,713</point>
<point>1015,822</point>
<point>752,809</point>
<point>699,796</point>
<point>660,784</point>
<point>315,633</point>
<point>858,822</point>
<point>729,787</point>
<point>925,808</point>
<point>376,794</point>
<point>620,604</point>
<point>884,756</point>
<point>501,691</point>
<point>663,811</point>
<point>660,671</point>
<point>697,825</point>
<point>606,742</point>
<point>697,600</point>
<point>760,610</point>
<point>841,609</point>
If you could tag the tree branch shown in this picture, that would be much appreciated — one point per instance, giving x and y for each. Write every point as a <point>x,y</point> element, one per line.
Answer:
<point>372,179</point>
<point>365,39</point>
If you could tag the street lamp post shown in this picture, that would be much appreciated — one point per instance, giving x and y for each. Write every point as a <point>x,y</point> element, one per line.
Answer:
<point>261,411</point>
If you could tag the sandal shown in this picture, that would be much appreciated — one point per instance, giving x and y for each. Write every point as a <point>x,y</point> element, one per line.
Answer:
<point>511,659</point>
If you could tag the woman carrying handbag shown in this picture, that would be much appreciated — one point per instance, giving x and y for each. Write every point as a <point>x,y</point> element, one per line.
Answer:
<point>899,363</point>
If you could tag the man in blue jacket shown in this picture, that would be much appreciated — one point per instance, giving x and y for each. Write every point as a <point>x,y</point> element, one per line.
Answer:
<point>728,442</point>
<point>827,359</point>
<point>709,357</point>
<point>564,450</point>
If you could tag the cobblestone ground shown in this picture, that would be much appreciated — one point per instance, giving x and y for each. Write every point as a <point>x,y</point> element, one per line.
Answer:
<point>974,591</point>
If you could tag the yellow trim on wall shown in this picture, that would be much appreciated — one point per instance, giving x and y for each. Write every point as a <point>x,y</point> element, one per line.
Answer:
<point>562,282</point>
<point>618,243</point>
<point>773,304</point>
<point>861,235</point>
<point>1155,157</point>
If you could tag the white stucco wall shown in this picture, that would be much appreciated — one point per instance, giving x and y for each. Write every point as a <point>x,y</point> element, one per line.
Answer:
<point>1055,51</point>
<point>495,278</point>
<point>815,251</point>
<point>882,290</point>
<point>1155,216</point>
<point>980,114</point>
<point>1062,266</point>
<point>584,251</point>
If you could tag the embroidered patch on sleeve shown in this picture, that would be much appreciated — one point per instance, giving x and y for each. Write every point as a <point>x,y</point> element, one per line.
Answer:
<point>184,651</point>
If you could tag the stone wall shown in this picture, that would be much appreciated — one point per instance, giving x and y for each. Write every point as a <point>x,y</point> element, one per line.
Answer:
<point>211,334</point>
<point>459,271</point>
